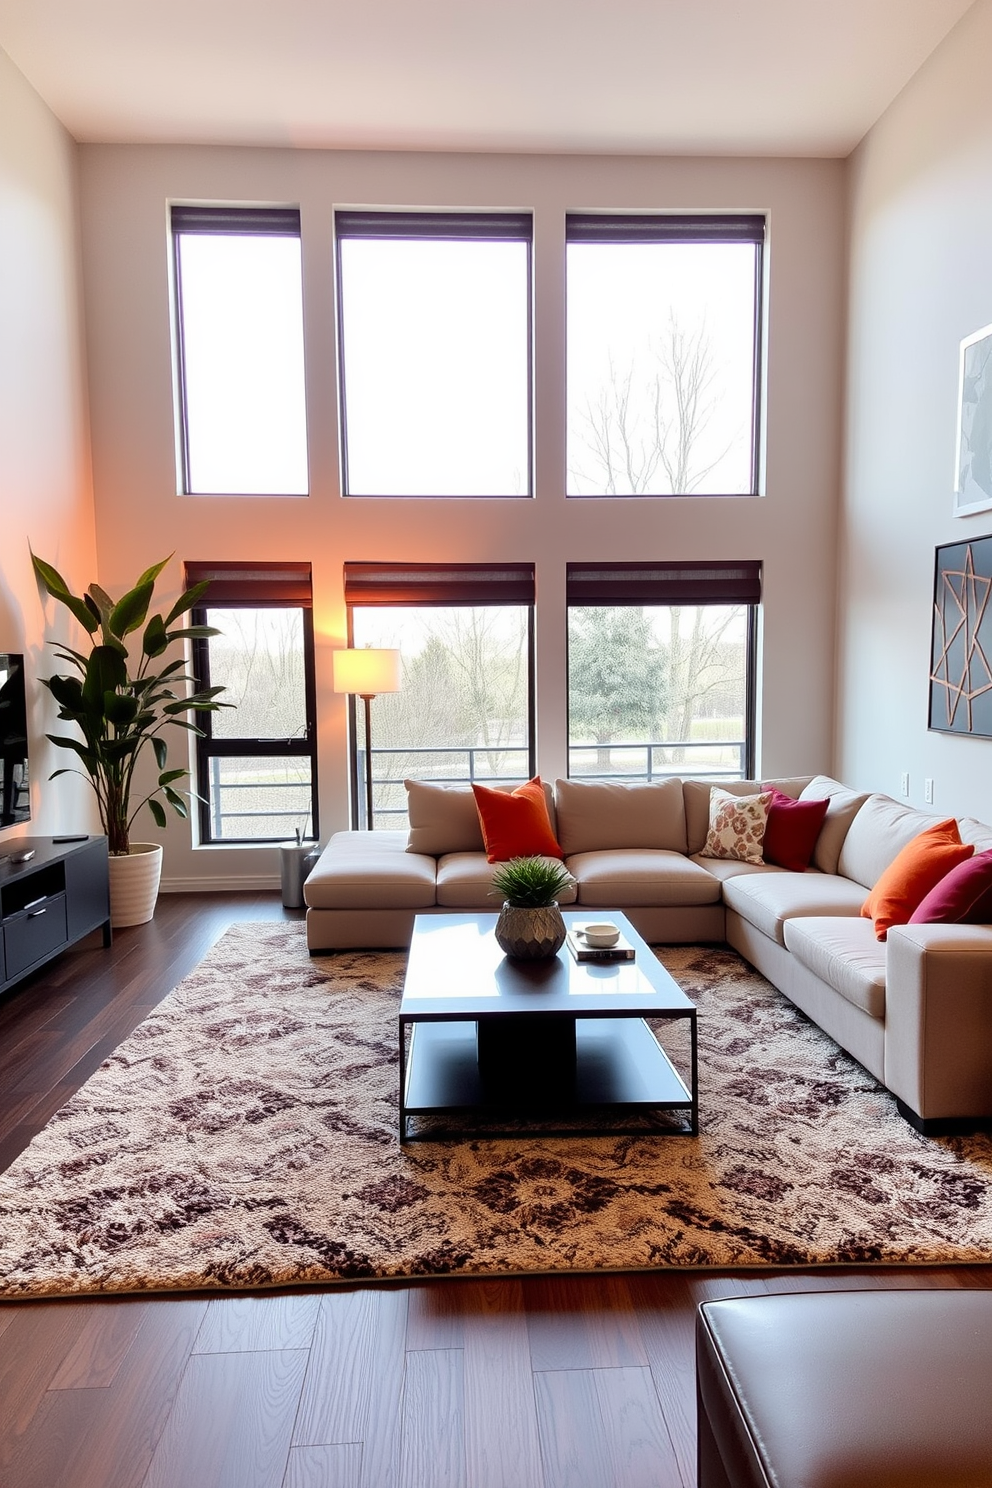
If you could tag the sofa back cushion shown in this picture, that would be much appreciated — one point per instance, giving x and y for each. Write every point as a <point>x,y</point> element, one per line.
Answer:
<point>697,801</point>
<point>843,807</point>
<point>879,831</point>
<point>445,818</point>
<point>600,815</point>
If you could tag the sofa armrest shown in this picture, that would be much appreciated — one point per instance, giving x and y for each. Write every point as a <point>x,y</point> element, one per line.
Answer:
<point>938,1019</point>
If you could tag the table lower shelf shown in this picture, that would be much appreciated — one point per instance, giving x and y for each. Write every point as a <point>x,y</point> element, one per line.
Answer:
<point>619,1065</point>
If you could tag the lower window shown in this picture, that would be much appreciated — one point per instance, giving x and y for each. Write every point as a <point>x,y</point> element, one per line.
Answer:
<point>655,689</point>
<point>256,762</point>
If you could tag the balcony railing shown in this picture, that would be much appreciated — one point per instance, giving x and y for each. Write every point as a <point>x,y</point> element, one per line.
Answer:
<point>722,759</point>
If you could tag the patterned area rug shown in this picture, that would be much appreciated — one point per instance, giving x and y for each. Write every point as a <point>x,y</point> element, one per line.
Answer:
<point>245,1135</point>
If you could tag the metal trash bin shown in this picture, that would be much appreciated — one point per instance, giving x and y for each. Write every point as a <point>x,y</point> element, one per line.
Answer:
<point>295,862</point>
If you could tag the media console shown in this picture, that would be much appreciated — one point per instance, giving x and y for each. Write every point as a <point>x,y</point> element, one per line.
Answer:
<point>51,900</point>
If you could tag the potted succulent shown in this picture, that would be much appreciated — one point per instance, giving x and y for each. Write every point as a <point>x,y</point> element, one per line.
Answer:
<point>530,926</point>
<point>120,706</point>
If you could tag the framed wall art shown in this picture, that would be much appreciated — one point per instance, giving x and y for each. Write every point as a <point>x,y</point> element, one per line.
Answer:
<point>961,648</point>
<point>973,455</point>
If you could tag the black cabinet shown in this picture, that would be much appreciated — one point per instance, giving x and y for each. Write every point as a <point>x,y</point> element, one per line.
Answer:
<point>55,898</point>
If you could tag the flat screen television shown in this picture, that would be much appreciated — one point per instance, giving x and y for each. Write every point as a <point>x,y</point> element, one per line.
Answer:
<point>15,791</point>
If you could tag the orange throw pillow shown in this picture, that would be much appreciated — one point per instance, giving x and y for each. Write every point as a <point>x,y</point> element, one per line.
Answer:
<point>913,872</point>
<point>516,824</point>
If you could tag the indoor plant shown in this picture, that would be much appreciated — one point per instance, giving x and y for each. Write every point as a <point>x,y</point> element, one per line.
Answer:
<point>120,707</point>
<point>530,925</point>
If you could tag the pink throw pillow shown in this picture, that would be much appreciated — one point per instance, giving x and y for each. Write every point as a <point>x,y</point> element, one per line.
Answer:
<point>791,831</point>
<point>962,897</point>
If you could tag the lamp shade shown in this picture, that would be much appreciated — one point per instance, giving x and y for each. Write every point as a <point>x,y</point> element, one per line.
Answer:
<point>366,671</point>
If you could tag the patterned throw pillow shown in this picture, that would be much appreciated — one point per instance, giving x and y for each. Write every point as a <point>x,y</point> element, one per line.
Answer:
<point>737,826</point>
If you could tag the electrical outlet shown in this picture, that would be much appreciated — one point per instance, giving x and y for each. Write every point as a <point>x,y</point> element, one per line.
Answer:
<point>928,790</point>
<point>904,787</point>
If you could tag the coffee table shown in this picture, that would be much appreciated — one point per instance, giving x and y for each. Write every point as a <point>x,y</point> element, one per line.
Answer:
<point>558,1040</point>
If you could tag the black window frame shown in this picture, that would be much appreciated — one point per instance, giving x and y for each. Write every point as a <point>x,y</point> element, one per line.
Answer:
<point>449,586</point>
<point>219,221</point>
<point>686,227</point>
<point>253,586</point>
<point>467,226</point>
<point>695,582</point>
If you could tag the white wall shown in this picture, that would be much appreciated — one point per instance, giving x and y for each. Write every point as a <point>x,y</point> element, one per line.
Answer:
<point>920,281</point>
<point>124,196</point>
<point>45,488</point>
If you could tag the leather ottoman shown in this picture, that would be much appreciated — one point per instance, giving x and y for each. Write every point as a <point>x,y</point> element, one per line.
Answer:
<point>845,1390</point>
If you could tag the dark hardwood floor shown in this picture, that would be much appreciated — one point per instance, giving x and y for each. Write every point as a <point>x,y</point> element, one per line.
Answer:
<point>557,1382</point>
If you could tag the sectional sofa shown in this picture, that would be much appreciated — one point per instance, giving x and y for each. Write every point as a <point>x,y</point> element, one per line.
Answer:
<point>915,1009</point>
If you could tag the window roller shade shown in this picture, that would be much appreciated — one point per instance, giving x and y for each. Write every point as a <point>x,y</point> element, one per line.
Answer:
<point>595,227</point>
<point>440,584</point>
<point>253,584</point>
<point>663,583</point>
<point>486,226</point>
<point>234,221</point>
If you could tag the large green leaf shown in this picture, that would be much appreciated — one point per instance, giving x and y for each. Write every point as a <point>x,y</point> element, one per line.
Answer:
<point>194,633</point>
<point>161,750</point>
<point>119,708</point>
<point>105,672</point>
<point>188,600</point>
<point>155,808</point>
<point>155,639</point>
<point>151,574</point>
<point>64,742</point>
<point>176,801</point>
<point>168,776</point>
<point>67,692</point>
<point>130,611</point>
<point>57,587</point>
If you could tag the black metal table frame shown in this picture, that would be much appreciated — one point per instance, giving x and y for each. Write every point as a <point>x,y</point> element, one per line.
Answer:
<point>456,1041</point>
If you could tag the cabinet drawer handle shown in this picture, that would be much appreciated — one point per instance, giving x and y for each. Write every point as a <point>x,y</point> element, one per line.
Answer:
<point>34,913</point>
<point>32,906</point>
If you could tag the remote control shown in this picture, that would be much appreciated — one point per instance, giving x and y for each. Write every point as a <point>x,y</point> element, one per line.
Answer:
<point>72,837</point>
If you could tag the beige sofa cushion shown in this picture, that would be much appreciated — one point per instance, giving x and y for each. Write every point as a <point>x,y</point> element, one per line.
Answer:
<point>843,953</point>
<point>594,815</point>
<point>877,834</point>
<point>445,818</point>
<point>464,881</point>
<point>357,870</point>
<point>843,807</point>
<point>641,876</point>
<point>767,900</point>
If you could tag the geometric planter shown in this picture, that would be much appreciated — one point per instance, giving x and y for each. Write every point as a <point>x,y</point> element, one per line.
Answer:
<point>530,934</point>
<point>134,881</point>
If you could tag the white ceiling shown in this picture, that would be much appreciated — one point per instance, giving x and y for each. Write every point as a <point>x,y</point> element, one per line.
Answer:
<point>772,77</point>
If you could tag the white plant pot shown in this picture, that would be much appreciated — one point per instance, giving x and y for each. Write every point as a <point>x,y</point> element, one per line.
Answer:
<point>134,881</point>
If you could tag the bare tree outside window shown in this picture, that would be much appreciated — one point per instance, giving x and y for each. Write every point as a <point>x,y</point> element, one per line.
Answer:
<point>660,368</point>
<point>462,712</point>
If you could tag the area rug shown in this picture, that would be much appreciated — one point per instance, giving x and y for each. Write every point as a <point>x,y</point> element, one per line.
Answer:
<point>245,1136</point>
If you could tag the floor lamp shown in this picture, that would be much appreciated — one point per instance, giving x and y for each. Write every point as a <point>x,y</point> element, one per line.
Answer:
<point>364,672</point>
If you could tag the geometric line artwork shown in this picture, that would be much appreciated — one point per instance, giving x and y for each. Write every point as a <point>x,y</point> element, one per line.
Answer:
<point>960,665</point>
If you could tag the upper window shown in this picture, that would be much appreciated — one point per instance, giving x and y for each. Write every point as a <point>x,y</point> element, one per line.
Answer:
<point>239,317</point>
<point>434,333</point>
<point>664,351</point>
<point>661,669</point>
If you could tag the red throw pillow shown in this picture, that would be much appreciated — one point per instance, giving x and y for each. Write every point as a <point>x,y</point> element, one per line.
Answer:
<point>962,897</point>
<point>913,872</point>
<point>791,831</point>
<point>516,824</point>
